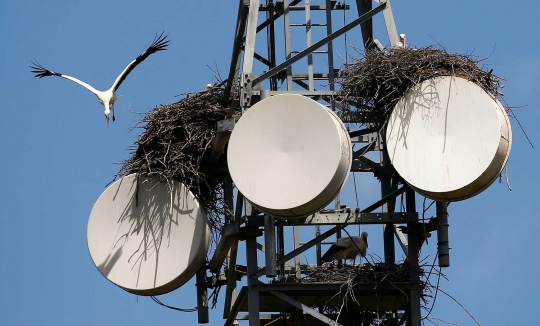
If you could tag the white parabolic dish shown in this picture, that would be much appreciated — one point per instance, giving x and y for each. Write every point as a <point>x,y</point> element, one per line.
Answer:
<point>145,238</point>
<point>289,155</point>
<point>448,138</point>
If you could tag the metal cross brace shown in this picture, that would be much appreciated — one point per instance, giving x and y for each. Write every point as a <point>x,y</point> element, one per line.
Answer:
<point>317,45</point>
<point>305,308</point>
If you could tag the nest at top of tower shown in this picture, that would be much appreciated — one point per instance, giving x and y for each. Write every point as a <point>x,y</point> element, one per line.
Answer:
<point>175,141</point>
<point>375,82</point>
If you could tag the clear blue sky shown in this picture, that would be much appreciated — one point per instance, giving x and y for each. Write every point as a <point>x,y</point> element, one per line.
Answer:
<point>58,154</point>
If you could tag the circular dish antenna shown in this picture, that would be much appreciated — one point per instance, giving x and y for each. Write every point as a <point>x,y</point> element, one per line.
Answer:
<point>448,138</point>
<point>146,236</point>
<point>289,155</point>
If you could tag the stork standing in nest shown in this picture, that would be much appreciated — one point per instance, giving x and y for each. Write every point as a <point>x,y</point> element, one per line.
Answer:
<point>347,248</point>
<point>402,40</point>
<point>108,97</point>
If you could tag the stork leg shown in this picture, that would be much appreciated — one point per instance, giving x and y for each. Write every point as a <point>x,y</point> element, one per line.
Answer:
<point>111,106</point>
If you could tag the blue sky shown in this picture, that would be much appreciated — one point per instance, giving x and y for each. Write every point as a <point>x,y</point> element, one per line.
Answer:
<point>58,154</point>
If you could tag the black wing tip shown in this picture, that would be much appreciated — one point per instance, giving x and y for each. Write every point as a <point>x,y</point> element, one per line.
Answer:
<point>160,42</point>
<point>39,70</point>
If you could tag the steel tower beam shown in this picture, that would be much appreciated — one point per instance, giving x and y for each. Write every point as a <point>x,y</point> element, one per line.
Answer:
<point>443,248</point>
<point>414,315</point>
<point>318,44</point>
<point>242,65</point>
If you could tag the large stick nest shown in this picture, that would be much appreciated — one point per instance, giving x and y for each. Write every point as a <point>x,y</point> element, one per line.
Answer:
<point>367,273</point>
<point>375,83</point>
<point>349,276</point>
<point>174,144</point>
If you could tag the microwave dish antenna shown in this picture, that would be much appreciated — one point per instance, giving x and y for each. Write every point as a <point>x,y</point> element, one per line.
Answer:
<point>448,138</point>
<point>147,237</point>
<point>289,155</point>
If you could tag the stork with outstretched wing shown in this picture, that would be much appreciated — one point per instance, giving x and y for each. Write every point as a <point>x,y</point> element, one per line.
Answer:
<point>108,97</point>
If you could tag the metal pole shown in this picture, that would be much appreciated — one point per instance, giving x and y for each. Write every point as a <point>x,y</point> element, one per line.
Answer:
<point>414,312</point>
<point>202,296</point>
<point>228,196</point>
<point>443,249</point>
<point>366,27</point>
<point>386,189</point>
<point>249,50</point>
<point>311,87</point>
<point>230,291</point>
<point>330,53</point>
<point>238,36</point>
<point>288,50</point>
<point>270,37</point>
<point>318,245</point>
<point>231,256</point>
<point>281,250</point>
<point>253,296</point>
<point>296,240</point>
<point>249,54</point>
<point>270,246</point>
<point>390,24</point>
<point>269,229</point>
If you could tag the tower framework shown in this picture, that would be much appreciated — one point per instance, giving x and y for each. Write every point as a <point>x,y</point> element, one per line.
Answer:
<point>294,303</point>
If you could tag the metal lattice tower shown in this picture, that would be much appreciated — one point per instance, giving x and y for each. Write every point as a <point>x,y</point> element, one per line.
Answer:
<point>246,223</point>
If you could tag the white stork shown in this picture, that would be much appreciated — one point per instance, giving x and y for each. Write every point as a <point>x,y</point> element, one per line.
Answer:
<point>108,97</point>
<point>347,248</point>
<point>402,38</point>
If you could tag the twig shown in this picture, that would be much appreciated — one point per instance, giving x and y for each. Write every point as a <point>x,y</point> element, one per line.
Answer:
<point>174,143</point>
<point>377,81</point>
<point>444,321</point>
<point>467,311</point>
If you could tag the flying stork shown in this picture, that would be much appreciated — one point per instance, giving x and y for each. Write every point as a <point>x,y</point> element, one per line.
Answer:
<point>347,248</point>
<point>108,97</point>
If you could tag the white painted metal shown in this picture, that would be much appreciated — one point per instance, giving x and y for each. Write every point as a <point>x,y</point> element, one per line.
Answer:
<point>289,155</point>
<point>448,138</point>
<point>148,241</point>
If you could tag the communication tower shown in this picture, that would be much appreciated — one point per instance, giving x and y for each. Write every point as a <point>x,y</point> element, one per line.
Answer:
<point>257,297</point>
<point>289,154</point>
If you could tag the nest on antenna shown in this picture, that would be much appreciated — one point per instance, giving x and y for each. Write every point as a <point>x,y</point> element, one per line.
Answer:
<point>373,299</point>
<point>175,142</point>
<point>374,83</point>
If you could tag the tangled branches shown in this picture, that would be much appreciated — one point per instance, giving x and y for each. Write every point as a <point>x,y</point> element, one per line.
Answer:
<point>358,274</point>
<point>175,139</point>
<point>376,82</point>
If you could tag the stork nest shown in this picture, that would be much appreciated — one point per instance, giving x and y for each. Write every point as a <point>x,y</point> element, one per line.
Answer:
<point>375,83</point>
<point>367,273</point>
<point>349,276</point>
<point>174,143</point>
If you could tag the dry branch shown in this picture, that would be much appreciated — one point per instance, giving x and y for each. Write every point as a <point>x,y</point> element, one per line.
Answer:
<point>173,144</point>
<point>348,276</point>
<point>376,82</point>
